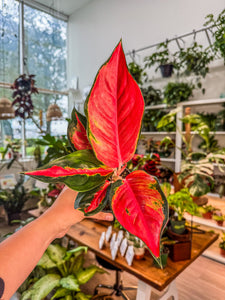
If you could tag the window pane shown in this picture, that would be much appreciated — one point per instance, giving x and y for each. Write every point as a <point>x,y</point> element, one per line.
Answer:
<point>45,48</point>
<point>9,40</point>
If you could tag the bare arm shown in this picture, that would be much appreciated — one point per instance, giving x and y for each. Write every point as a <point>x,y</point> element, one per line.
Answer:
<point>20,253</point>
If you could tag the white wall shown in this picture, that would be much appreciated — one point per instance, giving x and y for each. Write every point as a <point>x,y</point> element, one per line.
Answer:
<point>95,29</point>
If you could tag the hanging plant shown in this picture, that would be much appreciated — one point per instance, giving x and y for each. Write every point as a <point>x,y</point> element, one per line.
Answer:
<point>218,31</point>
<point>105,141</point>
<point>23,87</point>
<point>194,60</point>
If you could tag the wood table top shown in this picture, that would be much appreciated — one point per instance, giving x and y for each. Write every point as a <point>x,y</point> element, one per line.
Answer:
<point>88,233</point>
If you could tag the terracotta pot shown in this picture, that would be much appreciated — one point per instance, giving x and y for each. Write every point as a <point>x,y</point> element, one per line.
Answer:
<point>219,223</point>
<point>222,252</point>
<point>208,215</point>
<point>202,200</point>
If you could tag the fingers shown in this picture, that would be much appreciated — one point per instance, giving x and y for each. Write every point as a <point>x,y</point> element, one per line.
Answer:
<point>103,216</point>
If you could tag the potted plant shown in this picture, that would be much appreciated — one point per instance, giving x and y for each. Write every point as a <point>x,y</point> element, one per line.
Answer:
<point>218,32</point>
<point>194,60</point>
<point>219,219</point>
<point>176,92</point>
<point>206,211</point>
<point>137,72</point>
<point>196,167</point>
<point>59,272</point>
<point>222,244</point>
<point>14,199</point>
<point>151,95</point>
<point>162,59</point>
<point>139,249</point>
<point>181,202</point>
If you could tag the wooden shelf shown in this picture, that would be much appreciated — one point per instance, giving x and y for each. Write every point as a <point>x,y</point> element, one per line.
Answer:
<point>167,159</point>
<point>158,132</point>
<point>209,223</point>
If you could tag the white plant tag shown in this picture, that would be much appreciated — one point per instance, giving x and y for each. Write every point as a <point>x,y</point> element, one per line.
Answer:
<point>114,250</point>
<point>130,255</point>
<point>112,242</point>
<point>120,236</point>
<point>108,233</point>
<point>102,240</point>
<point>123,246</point>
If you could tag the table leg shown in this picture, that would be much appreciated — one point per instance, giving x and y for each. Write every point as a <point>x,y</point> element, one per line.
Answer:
<point>144,291</point>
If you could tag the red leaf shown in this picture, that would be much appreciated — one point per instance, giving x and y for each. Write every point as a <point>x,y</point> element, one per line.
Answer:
<point>140,208</point>
<point>98,198</point>
<point>57,171</point>
<point>76,132</point>
<point>115,107</point>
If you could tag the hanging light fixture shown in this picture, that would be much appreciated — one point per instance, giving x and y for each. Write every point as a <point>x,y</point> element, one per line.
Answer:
<point>53,113</point>
<point>6,109</point>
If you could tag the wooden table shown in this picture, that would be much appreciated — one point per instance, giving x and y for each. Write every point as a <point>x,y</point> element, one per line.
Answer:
<point>88,233</point>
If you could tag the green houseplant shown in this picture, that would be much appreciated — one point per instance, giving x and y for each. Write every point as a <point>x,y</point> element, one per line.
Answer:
<point>176,92</point>
<point>14,199</point>
<point>222,244</point>
<point>219,219</point>
<point>162,59</point>
<point>94,168</point>
<point>218,31</point>
<point>206,211</point>
<point>62,272</point>
<point>196,167</point>
<point>151,95</point>
<point>181,202</point>
<point>137,72</point>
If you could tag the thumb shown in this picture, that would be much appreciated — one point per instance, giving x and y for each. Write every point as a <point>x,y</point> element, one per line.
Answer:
<point>102,216</point>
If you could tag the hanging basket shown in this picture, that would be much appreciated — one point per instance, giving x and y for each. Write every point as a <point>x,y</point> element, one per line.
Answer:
<point>6,109</point>
<point>53,113</point>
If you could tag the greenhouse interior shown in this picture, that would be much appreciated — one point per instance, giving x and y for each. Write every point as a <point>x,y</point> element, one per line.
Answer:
<point>112,149</point>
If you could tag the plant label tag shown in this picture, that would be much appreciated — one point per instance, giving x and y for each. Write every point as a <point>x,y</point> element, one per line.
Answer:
<point>114,250</point>
<point>123,246</point>
<point>108,233</point>
<point>130,255</point>
<point>102,240</point>
<point>120,236</point>
<point>112,242</point>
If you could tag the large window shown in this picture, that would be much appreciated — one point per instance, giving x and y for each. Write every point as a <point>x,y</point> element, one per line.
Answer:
<point>44,52</point>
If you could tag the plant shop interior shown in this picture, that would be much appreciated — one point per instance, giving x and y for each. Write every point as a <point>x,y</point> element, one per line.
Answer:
<point>122,102</point>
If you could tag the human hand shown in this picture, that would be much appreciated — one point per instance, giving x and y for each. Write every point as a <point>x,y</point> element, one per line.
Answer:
<point>64,214</point>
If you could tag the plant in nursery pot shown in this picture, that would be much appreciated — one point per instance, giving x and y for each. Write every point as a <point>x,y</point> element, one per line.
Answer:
<point>164,252</point>
<point>206,211</point>
<point>181,202</point>
<point>103,142</point>
<point>61,273</point>
<point>222,244</point>
<point>219,219</point>
<point>162,59</point>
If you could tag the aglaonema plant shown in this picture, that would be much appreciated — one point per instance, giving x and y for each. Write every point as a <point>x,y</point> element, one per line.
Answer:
<point>103,142</point>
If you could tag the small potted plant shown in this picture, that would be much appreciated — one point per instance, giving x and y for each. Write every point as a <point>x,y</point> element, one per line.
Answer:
<point>139,249</point>
<point>181,202</point>
<point>163,59</point>
<point>206,211</point>
<point>222,244</point>
<point>219,219</point>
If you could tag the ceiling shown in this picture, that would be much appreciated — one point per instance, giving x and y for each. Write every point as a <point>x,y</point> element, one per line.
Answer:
<point>67,7</point>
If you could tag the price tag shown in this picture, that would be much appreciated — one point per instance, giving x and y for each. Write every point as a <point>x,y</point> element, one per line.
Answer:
<point>130,255</point>
<point>123,246</point>
<point>102,240</point>
<point>120,236</point>
<point>108,233</point>
<point>112,242</point>
<point>114,250</point>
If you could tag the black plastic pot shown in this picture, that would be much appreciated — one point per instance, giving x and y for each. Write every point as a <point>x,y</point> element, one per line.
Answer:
<point>166,70</point>
<point>177,226</point>
<point>12,217</point>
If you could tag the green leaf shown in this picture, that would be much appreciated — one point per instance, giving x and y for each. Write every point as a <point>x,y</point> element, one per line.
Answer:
<point>199,188</point>
<point>82,296</point>
<point>70,283</point>
<point>26,295</point>
<point>45,262</point>
<point>56,253</point>
<point>61,292</point>
<point>79,249</point>
<point>85,275</point>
